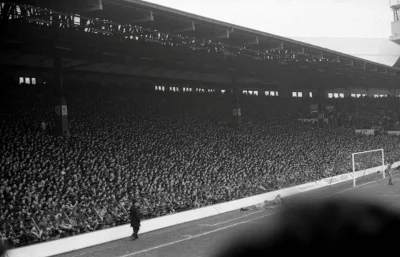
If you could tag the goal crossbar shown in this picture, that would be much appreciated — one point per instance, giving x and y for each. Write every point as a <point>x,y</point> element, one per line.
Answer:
<point>371,151</point>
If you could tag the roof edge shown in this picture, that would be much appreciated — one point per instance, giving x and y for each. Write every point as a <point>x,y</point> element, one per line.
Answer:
<point>253,31</point>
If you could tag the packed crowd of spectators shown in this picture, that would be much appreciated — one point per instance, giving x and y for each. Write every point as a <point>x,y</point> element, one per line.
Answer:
<point>169,151</point>
<point>367,113</point>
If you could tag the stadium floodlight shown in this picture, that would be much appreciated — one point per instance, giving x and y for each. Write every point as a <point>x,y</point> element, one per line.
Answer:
<point>367,161</point>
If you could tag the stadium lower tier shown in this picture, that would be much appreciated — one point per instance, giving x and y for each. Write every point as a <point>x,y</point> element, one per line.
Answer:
<point>170,152</point>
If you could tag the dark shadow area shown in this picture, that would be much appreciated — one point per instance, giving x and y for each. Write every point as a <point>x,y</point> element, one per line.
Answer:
<point>331,227</point>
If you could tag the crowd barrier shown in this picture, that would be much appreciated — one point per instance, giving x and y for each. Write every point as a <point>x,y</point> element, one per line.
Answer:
<point>106,235</point>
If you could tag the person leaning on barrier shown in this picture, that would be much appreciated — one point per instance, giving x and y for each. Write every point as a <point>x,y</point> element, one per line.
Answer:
<point>333,227</point>
<point>134,215</point>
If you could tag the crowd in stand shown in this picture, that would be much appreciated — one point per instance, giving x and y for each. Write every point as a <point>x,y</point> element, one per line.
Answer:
<point>367,113</point>
<point>169,151</point>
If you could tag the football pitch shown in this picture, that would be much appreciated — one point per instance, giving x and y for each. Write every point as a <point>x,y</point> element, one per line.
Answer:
<point>211,235</point>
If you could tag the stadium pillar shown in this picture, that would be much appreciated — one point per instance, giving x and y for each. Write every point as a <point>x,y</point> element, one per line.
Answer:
<point>236,111</point>
<point>321,116</point>
<point>61,110</point>
<point>392,92</point>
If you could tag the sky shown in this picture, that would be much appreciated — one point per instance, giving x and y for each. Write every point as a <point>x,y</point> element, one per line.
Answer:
<point>297,18</point>
<point>305,20</point>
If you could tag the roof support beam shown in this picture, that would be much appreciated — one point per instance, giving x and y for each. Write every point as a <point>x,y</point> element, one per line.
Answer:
<point>227,34</point>
<point>192,27</point>
<point>364,66</point>
<point>336,60</point>
<point>149,18</point>
<point>254,42</point>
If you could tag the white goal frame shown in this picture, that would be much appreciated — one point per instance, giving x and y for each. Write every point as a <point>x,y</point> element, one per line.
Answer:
<point>371,151</point>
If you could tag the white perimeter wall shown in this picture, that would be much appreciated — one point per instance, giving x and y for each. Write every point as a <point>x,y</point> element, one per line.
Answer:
<point>111,234</point>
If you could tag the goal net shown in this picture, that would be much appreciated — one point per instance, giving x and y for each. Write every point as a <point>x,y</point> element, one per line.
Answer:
<point>368,166</point>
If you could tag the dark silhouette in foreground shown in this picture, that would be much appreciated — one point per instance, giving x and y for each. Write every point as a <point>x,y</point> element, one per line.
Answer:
<point>332,227</point>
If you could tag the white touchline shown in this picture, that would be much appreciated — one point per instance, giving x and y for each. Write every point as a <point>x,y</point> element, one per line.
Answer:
<point>229,226</point>
<point>351,188</point>
<point>227,221</point>
<point>195,236</point>
<point>92,251</point>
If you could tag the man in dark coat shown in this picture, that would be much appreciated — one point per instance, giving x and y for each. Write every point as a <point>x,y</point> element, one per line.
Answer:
<point>135,219</point>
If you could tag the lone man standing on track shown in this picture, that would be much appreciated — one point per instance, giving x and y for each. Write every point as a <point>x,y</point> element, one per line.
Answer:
<point>389,172</point>
<point>135,219</point>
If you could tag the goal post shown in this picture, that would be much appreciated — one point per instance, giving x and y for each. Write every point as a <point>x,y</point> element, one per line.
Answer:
<point>373,158</point>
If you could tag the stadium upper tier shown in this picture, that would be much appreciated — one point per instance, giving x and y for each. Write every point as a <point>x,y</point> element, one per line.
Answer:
<point>170,151</point>
<point>136,33</point>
